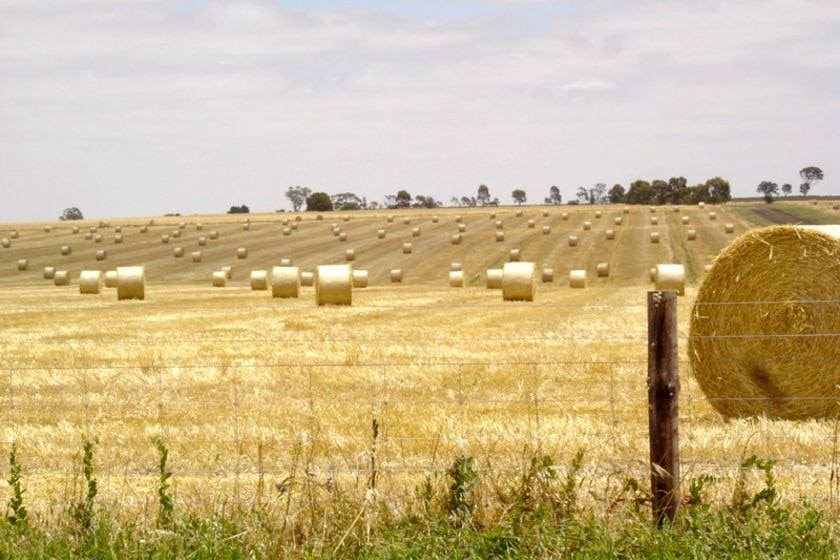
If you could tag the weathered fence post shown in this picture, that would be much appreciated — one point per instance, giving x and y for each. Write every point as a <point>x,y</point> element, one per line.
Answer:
<point>663,404</point>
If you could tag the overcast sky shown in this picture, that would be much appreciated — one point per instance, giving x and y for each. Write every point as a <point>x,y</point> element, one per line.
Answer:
<point>140,107</point>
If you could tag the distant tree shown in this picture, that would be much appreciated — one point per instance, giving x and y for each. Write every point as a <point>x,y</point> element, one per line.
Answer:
<point>677,190</point>
<point>71,214</point>
<point>616,194</point>
<point>769,189</point>
<point>659,191</point>
<point>592,195</point>
<point>810,177</point>
<point>390,201</point>
<point>347,201</point>
<point>573,203</point>
<point>483,195</point>
<point>639,192</point>
<point>319,202</point>
<point>373,205</point>
<point>297,196</point>
<point>467,201</point>
<point>403,199</point>
<point>554,196</point>
<point>454,201</point>
<point>719,190</point>
<point>787,188</point>
<point>239,209</point>
<point>519,196</point>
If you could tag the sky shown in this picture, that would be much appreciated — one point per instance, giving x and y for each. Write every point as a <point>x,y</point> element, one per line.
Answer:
<point>144,107</point>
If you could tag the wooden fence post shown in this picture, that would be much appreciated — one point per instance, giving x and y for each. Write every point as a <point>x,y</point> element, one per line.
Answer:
<point>663,404</point>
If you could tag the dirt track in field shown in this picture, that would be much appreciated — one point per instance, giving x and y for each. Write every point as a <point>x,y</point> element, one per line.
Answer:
<point>779,216</point>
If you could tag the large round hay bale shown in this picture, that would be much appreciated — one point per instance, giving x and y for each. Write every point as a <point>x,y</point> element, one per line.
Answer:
<point>597,213</point>
<point>178,252</point>
<point>259,279</point>
<point>307,279</point>
<point>89,236</point>
<point>14,234</point>
<point>285,281</point>
<point>219,279</point>
<point>49,272</point>
<point>360,278</point>
<point>242,253</point>
<point>90,282</point>
<point>6,242</point>
<point>546,230</point>
<point>610,234</point>
<point>654,237</point>
<point>492,215</point>
<point>456,278</point>
<point>532,224</point>
<point>163,238</point>
<point>654,221</point>
<point>564,216</point>
<point>23,264</point>
<point>514,255</point>
<point>458,219</point>
<point>202,241</point>
<point>494,278</point>
<point>246,226</point>
<point>462,228</point>
<point>334,285</point>
<point>602,269</point>
<point>342,236</point>
<point>97,238</point>
<point>47,229</point>
<point>691,234</point>
<point>406,221</point>
<point>213,235</point>
<point>118,238</point>
<point>406,248</point>
<point>286,262</point>
<point>547,275</point>
<point>670,277</point>
<point>758,344</point>
<point>199,226</point>
<point>500,236</point>
<point>287,231</point>
<point>713,215</point>
<point>66,250</point>
<point>618,220</point>
<point>396,275</point>
<point>390,218</point>
<point>415,232</point>
<point>176,233</point>
<point>75,230</point>
<point>131,282</point>
<point>196,256</point>
<point>519,281</point>
<point>435,219</point>
<point>573,241</point>
<point>500,224</point>
<point>101,255</point>
<point>144,229</point>
<point>577,278</point>
<point>685,220</point>
<point>61,278</point>
<point>350,255</point>
<point>587,225</point>
<point>111,279</point>
<point>701,204</point>
<point>729,228</point>
<point>626,210</point>
<point>545,214</point>
<point>380,233</point>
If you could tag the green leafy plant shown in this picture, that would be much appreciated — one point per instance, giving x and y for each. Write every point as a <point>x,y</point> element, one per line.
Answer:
<point>460,500</point>
<point>18,515</point>
<point>82,511</point>
<point>165,502</point>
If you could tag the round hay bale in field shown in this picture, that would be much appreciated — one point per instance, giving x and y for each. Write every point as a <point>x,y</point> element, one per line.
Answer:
<point>307,279</point>
<point>515,255</point>
<point>546,230</point>
<point>182,225</point>
<point>435,219</point>
<point>350,255</point>
<point>88,236</point>
<point>577,278</point>
<point>117,229</point>
<point>111,279</point>
<point>199,226</point>
<point>713,215</point>
<point>835,206</point>
<point>228,270</point>
<point>246,226</point>
<point>564,216</point>
<point>587,225</point>
<point>455,266</point>
<point>47,229</point>
<point>500,224</point>
<point>390,218</point>
<point>654,237</point>
<point>545,214</point>
<point>618,220</point>
<point>652,209</point>
<point>66,250</point>
<point>101,255</point>
<point>175,234</point>
<point>213,235</point>
<point>75,229</point>
<point>61,278</point>
<point>729,228</point>
<point>118,238</point>
<point>603,270</point>
<point>294,226</point>
<point>334,285</point>
<point>131,282</point>
<point>406,221</point>
<point>259,279</point>
<point>500,236</point>
<point>396,275</point>
<point>346,218</point>
<point>178,252</point>
<point>610,234</point>
<point>573,241</point>
<point>755,341</point>
<point>6,242</point>
<point>462,228</point>
<point>676,209</point>
<point>219,279</point>
<point>547,275</point>
<point>14,234</point>
<point>380,233</point>
<point>692,235</point>
<point>492,215</point>
<point>626,210</point>
<point>286,262</point>
<point>284,222</point>
<point>532,224</point>
<point>163,239</point>
<point>144,229</point>
<point>685,220</point>
<point>519,213</point>
<point>97,238</point>
<point>458,219</point>
<point>415,232</point>
<point>701,204</point>
<point>342,236</point>
<point>23,264</point>
<point>654,221</point>
<point>494,278</point>
<point>202,241</point>
<point>242,253</point>
<point>285,281</point>
<point>519,281</point>
<point>286,231</point>
<point>90,282</point>
<point>360,278</point>
<point>196,256</point>
<point>49,272</point>
<point>406,248</point>
<point>597,213</point>
<point>670,277</point>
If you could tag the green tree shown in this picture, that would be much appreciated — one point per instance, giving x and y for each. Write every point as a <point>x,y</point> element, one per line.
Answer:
<point>297,196</point>
<point>616,194</point>
<point>810,177</point>
<point>554,195</point>
<point>519,196</point>
<point>71,214</point>
<point>239,209</point>
<point>403,199</point>
<point>769,189</point>
<point>639,192</point>
<point>483,195</point>
<point>719,190</point>
<point>787,188</point>
<point>319,202</point>
<point>347,201</point>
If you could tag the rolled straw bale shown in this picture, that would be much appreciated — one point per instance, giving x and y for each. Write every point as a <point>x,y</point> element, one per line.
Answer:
<point>713,215</point>
<point>707,267</point>
<point>61,278</point>
<point>307,279</point>
<point>597,213</point>
<point>514,255</point>
<point>494,278</point>
<point>390,218</point>
<point>545,213</point>
<point>335,230</point>
<point>213,235</point>
<point>610,234</point>
<point>219,279</point>
<point>456,278</point>
<point>435,219</point>
<point>547,275</point>
<point>835,206</point>
<point>618,220</point>
<point>652,209</point>
<point>692,234</point>
<point>97,238</point>
<point>118,238</point>
<point>455,266</point>
<point>500,224</point>
<point>564,216</point>
<point>242,253</point>
<point>284,222</point>
<point>294,226</point>
<point>144,229</point>
<point>729,228</point>
<point>196,256</point>
<point>546,230</point>
<point>228,270</point>
<point>360,278</point>
<point>178,252</point>
<point>587,225</point>
<point>117,229</point>
<point>500,236</point>
<point>654,237</point>
<point>676,209</point>
<point>767,357</point>
<point>380,233</point>
<point>573,241</point>
<point>47,229</point>
<point>685,220</point>
<point>701,204</point>
<point>670,277</point>
<point>199,226</point>
<point>519,281</point>
<point>492,215</point>
<point>319,217</point>
<point>532,224</point>
<point>285,281</point>
<point>202,241</point>
<point>66,250</point>
<point>346,218</point>
<point>182,225</point>
<point>577,278</point>
<point>342,236</point>
<point>6,242</point>
<point>246,226</point>
<point>458,219</point>
<point>111,279</point>
<point>406,220</point>
<point>101,255</point>
<point>415,232</point>
<point>176,233</point>
<point>23,264</point>
<point>519,213</point>
<point>654,221</point>
<point>131,282</point>
<point>90,282</point>
<point>75,229</point>
<point>286,232</point>
<point>14,234</point>
<point>164,238</point>
<point>626,210</point>
<point>334,285</point>
<point>602,269</point>
<point>462,228</point>
<point>286,262</point>
<point>88,236</point>
<point>456,238</point>
<point>406,248</point>
<point>350,255</point>
<point>396,275</point>
<point>49,272</point>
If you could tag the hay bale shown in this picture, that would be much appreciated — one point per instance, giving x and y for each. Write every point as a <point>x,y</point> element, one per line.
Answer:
<point>573,241</point>
<point>350,255</point>
<point>307,279</point>
<point>286,231</point>
<point>49,272</point>
<point>602,269</point>
<point>23,264</point>
<point>298,218</point>
<point>500,236</point>
<point>577,278</point>
<point>654,221</point>
<point>462,228</point>
<point>97,238</point>
<point>435,219</point>
<point>6,242</point>
<point>406,248</point>
<point>131,282</point>
<point>111,279</point>
<point>144,229</point>
<point>514,255</point>
<point>88,236</point>
<point>610,234</point>
<point>765,358</point>
<point>164,239</point>
<point>500,224</point>
<point>286,262</point>
<point>455,266</point>
<point>117,229</point>
<point>75,229</point>
<point>213,235</point>
<point>713,216</point>
<point>597,213</point>
<point>564,216</point>
<point>396,275</point>
<point>458,219</point>
<point>175,233</point>
<point>118,239</point>
<point>707,267</point>
<point>546,230</point>
<point>196,256</point>
<point>676,209</point>
<point>519,213</point>
<point>101,255</point>
<point>545,213</point>
<point>360,278</point>
<point>390,218</point>
<point>178,252</point>
<point>14,234</point>
<point>219,279</point>
<point>692,235</point>
<point>729,228</point>
<point>492,215</point>
<point>346,218</point>
<point>90,282</point>
<point>228,270</point>
<point>202,241</point>
<point>246,226</point>
<point>406,221</point>
<point>519,281</point>
<point>61,278</point>
<point>670,277</point>
<point>342,236</point>
<point>626,210</point>
<point>652,209</point>
<point>242,253</point>
<point>294,226</point>
<point>47,229</point>
<point>532,224</point>
<point>199,226</point>
<point>66,250</point>
<point>547,275</point>
<point>654,237</point>
<point>618,220</point>
<point>182,225</point>
<point>334,285</point>
<point>285,281</point>
<point>587,225</point>
<point>494,278</point>
<point>685,220</point>
<point>380,233</point>
<point>415,232</point>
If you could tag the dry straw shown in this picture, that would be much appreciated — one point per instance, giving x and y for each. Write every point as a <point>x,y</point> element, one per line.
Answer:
<point>546,230</point>
<point>406,221</point>
<point>626,210</point>
<point>707,267</point>
<point>462,228</point>
<point>117,229</point>
<point>219,279</point>
<point>259,279</point>
<point>713,215</point>
<point>307,279</point>
<point>90,282</point>
<point>514,255</point>
<point>23,264</point>
<point>390,218</point>
<point>577,278</point>
<point>286,262</point>
<point>346,218</point>
<point>380,233</point>
<point>406,248</point>
<point>500,224</point>
<point>14,234</point>
<point>729,228</point>
<point>285,281</point>
<point>97,238</point>
<point>492,215</point>
<point>287,232</point>
<point>49,272</point>
<point>131,282</point>
<point>547,275</point>
<point>396,275</point>
<point>47,229</point>
<point>692,235</point>
<point>178,252</point>
<point>242,253</point>
<point>111,279</point>
<point>456,278</point>
<point>494,278</point>
<point>6,242</point>
<point>88,236</point>
<point>500,236</point>
<point>175,233</point>
<point>587,225</point>
<point>519,213</point>
<point>202,241</point>
<point>652,274</point>
<point>573,241</point>
<point>101,255</point>
<point>458,219</point>
<point>164,238</point>
<point>415,232</point>
<point>342,236</point>
<point>350,255</point>
<point>144,229</point>
<point>199,226</point>
<point>603,269</point>
<point>519,281</point>
<point>597,213</point>
<point>618,220</point>
<point>118,238</point>
<point>545,213</point>
<point>685,220</point>
<point>213,235</point>
<point>654,221</point>
<point>455,266</point>
<point>228,270</point>
<point>564,216</point>
<point>670,277</point>
<point>610,234</point>
<point>334,285</point>
<point>777,355</point>
<point>61,278</point>
<point>75,229</point>
<point>701,204</point>
<point>246,226</point>
<point>196,256</point>
<point>654,237</point>
<point>532,224</point>
<point>435,219</point>
<point>66,250</point>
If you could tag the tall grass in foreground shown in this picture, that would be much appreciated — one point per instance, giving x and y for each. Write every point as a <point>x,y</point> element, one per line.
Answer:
<point>540,513</point>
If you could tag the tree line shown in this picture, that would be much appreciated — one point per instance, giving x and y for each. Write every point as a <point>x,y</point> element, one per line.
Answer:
<point>810,176</point>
